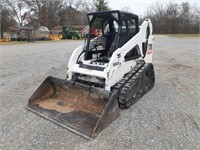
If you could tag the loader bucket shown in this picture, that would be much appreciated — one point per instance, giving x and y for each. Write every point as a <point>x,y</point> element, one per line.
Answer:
<point>82,109</point>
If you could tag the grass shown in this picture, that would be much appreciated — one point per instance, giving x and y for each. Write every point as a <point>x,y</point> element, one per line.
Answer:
<point>183,35</point>
<point>25,42</point>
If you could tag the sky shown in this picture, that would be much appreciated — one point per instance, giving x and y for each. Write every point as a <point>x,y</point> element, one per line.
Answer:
<point>139,7</point>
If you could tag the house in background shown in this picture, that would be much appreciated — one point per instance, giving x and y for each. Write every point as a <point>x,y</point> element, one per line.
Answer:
<point>21,33</point>
<point>42,33</point>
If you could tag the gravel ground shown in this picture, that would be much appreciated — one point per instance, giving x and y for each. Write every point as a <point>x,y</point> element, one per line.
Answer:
<point>168,117</point>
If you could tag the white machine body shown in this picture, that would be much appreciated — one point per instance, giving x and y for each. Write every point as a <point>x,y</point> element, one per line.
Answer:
<point>114,70</point>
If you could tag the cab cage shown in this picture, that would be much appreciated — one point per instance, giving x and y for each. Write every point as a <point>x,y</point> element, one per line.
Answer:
<point>123,35</point>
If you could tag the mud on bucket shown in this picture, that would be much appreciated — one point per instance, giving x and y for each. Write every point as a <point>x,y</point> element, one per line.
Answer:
<point>77,107</point>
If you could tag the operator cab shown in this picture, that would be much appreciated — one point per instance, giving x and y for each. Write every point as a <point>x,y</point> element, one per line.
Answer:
<point>116,28</point>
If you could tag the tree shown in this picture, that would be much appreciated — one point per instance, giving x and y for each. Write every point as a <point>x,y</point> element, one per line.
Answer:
<point>126,8</point>
<point>16,7</point>
<point>74,3</point>
<point>53,12</point>
<point>42,12</point>
<point>72,11</point>
<point>185,15</point>
<point>36,10</point>
<point>171,17</point>
<point>85,8</point>
<point>156,13</point>
<point>53,8</point>
<point>100,5</point>
<point>6,20</point>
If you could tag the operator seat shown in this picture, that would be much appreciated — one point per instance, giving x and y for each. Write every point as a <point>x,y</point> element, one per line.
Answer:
<point>111,38</point>
<point>110,45</point>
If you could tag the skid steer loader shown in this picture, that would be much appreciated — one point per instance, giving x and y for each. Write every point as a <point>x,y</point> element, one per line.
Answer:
<point>108,73</point>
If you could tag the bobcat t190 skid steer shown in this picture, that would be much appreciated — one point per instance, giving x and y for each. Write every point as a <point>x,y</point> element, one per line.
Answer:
<point>109,72</point>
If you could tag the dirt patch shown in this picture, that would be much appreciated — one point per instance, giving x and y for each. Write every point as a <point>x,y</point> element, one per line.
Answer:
<point>69,99</point>
<point>172,60</point>
<point>181,66</point>
<point>53,104</point>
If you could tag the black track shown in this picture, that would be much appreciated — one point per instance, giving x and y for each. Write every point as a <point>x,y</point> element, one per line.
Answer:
<point>135,84</point>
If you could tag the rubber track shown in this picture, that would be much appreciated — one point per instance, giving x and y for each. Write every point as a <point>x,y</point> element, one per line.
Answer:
<point>135,84</point>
